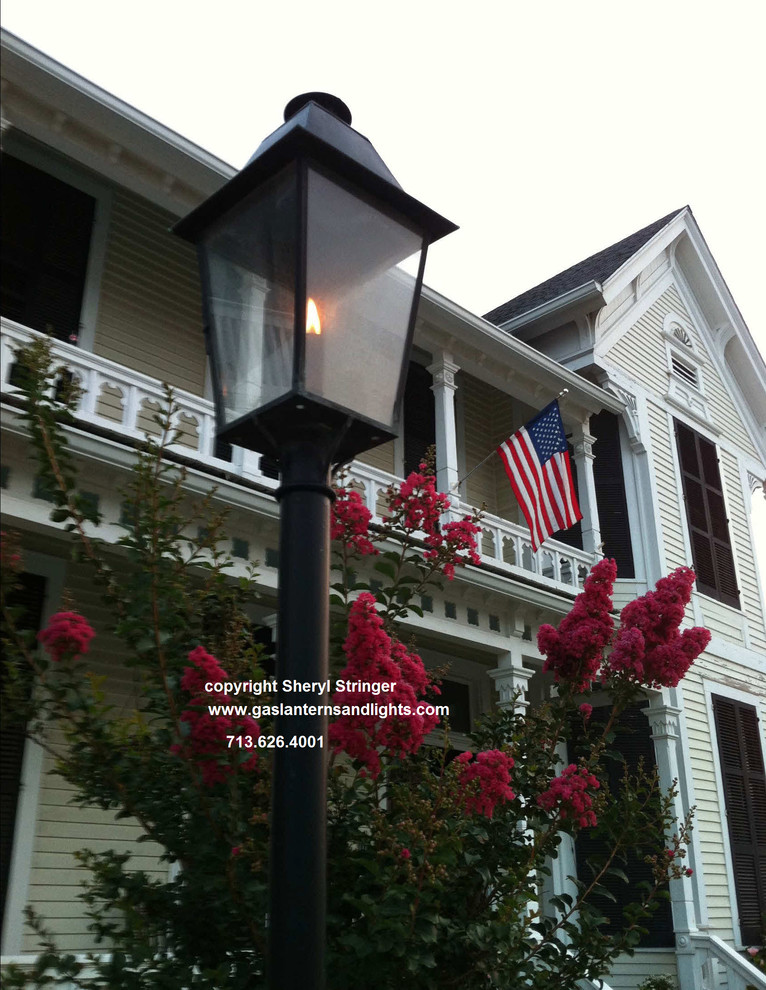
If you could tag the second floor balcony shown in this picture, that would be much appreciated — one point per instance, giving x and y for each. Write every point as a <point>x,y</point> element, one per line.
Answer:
<point>119,404</point>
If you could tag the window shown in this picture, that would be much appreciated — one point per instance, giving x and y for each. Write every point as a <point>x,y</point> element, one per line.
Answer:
<point>744,788</point>
<point>611,500</point>
<point>706,515</point>
<point>46,234</point>
<point>29,597</point>
<point>419,416</point>
<point>633,742</point>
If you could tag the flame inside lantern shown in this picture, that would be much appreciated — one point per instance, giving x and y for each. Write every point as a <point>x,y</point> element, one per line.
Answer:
<point>313,323</point>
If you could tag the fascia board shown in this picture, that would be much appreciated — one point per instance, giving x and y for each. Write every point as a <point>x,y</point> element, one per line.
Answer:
<point>454,322</point>
<point>42,78</point>
<point>637,262</point>
<point>574,299</point>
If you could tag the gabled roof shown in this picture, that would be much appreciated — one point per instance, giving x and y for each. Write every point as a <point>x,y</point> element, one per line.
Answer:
<point>597,268</point>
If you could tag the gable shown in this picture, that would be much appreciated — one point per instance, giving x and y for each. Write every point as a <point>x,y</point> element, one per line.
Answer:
<point>653,353</point>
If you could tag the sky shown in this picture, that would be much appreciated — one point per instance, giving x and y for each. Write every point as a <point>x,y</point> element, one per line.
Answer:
<point>546,130</point>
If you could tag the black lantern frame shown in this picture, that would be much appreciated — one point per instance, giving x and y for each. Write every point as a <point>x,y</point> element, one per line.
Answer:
<point>315,141</point>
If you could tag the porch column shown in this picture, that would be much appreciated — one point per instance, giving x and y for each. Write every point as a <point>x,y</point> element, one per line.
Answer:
<point>664,720</point>
<point>511,676</point>
<point>582,441</point>
<point>443,371</point>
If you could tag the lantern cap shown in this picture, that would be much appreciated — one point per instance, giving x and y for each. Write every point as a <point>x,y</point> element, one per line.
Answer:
<point>326,100</point>
<point>318,130</point>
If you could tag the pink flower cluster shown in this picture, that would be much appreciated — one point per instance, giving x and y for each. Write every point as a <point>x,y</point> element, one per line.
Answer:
<point>569,793</point>
<point>66,636</point>
<point>374,657</point>
<point>350,522</point>
<point>10,556</point>
<point>485,782</point>
<point>205,744</point>
<point>459,540</point>
<point>574,651</point>
<point>418,507</point>
<point>648,648</point>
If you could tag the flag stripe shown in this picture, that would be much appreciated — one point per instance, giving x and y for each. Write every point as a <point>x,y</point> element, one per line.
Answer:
<point>536,461</point>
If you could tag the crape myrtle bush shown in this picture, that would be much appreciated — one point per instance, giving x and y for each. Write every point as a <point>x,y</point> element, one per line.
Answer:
<point>434,865</point>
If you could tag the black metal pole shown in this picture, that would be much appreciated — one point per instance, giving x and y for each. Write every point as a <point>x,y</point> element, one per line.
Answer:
<point>299,794</point>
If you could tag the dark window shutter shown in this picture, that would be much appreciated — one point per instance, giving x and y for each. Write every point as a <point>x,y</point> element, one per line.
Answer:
<point>634,742</point>
<point>744,786</point>
<point>610,493</point>
<point>706,515</point>
<point>46,233</point>
<point>29,596</point>
<point>419,416</point>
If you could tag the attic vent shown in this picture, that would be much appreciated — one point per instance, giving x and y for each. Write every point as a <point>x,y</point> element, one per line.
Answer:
<point>680,334</point>
<point>684,371</point>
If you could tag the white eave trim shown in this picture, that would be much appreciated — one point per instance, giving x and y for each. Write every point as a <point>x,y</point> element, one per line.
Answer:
<point>587,292</point>
<point>452,319</point>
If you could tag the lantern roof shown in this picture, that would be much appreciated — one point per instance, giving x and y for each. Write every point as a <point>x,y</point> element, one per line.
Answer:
<point>317,128</point>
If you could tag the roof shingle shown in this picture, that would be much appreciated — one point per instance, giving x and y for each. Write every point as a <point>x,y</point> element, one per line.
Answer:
<point>597,268</point>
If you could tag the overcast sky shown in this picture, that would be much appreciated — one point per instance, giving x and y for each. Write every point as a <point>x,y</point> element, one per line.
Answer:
<point>547,131</point>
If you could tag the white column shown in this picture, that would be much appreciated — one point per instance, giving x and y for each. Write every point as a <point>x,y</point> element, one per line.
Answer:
<point>511,676</point>
<point>583,457</point>
<point>664,720</point>
<point>443,371</point>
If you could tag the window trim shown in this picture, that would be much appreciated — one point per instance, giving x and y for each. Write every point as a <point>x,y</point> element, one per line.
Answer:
<point>715,593</point>
<point>19,869</point>
<point>47,161</point>
<point>732,694</point>
<point>680,349</point>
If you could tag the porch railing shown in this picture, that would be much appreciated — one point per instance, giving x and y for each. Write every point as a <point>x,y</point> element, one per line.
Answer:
<point>124,401</point>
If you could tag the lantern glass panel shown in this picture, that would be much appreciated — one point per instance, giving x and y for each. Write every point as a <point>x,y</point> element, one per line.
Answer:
<point>249,263</point>
<point>359,300</point>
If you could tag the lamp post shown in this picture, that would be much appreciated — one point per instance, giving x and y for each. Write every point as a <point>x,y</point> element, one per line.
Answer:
<point>308,324</point>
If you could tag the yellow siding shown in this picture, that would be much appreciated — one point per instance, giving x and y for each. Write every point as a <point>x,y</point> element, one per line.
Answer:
<point>490,416</point>
<point>150,315</point>
<point>62,828</point>
<point>381,458</point>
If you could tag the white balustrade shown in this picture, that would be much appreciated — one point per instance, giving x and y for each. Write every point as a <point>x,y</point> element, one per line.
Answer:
<point>121,400</point>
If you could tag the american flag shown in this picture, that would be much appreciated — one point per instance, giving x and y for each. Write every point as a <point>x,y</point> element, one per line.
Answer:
<point>536,460</point>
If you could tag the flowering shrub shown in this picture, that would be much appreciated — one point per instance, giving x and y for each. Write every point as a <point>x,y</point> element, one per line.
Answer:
<point>649,649</point>
<point>204,736</point>
<point>574,651</point>
<point>568,795</point>
<point>374,658</point>
<point>350,522</point>
<point>432,862</point>
<point>67,636</point>
<point>485,782</point>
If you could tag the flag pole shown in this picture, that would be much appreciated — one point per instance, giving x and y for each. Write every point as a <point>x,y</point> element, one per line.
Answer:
<point>476,467</point>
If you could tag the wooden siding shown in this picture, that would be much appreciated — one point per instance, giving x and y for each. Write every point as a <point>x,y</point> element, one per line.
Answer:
<point>63,828</point>
<point>737,507</point>
<point>643,354</point>
<point>710,816</point>
<point>489,416</point>
<point>669,498</point>
<point>629,971</point>
<point>381,458</point>
<point>149,315</point>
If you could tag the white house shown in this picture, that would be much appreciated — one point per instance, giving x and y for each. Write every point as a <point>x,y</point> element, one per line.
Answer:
<point>665,404</point>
